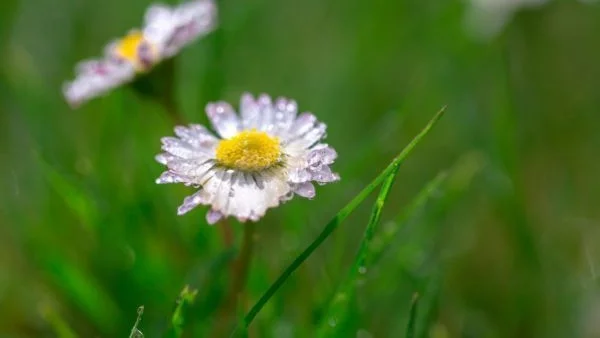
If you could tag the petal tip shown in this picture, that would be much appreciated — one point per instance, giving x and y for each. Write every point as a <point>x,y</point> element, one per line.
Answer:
<point>213,216</point>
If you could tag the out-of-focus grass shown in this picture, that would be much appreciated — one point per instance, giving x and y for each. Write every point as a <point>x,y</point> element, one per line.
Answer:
<point>86,236</point>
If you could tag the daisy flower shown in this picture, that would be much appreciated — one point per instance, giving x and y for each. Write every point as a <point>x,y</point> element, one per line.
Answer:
<point>486,18</point>
<point>260,158</point>
<point>165,32</point>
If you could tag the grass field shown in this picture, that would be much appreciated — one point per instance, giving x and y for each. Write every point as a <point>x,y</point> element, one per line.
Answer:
<point>493,219</point>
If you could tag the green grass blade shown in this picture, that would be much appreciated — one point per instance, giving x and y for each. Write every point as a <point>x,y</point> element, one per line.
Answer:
<point>57,322</point>
<point>135,332</point>
<point>74,197</point>
<point>391,229</point>
<point>341,215</point>
<point>412,319</point>
<point>81,288</point>
<point>371,248</point>
<point>186,299</point>
<point>339,304</point>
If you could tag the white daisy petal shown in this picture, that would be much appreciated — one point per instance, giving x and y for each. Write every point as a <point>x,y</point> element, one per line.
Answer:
<point>212,217</point>
<point>263,160</point>
<point>158,13</point>
<point>191,202</point>
<point>266,113</point>
<point>321,154</point>
<point>285,114</point>
<point>311,137</point>
<point>305,189</point>
<point>303,124</point>
<point>252,196</point>
<point>217,189</point>
<point>185,23</point>
<point>159,25</point>
<point>95,78</point>
<point>197,136</point>
<point>170,177</point>
<point>197,170</point>
<point>185,150</point>
<point>299,175</point>
<point>223,118</point>
<point>90,67</point>
<point>163,158</point>
<point>323,174</point>
<point>250,112</point>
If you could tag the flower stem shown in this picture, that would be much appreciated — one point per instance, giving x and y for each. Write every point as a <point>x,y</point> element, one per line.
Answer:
<point>226,233</point>
<point>239,274</point>
<point>241,266</point>
<point>167,95</point>
<point>159,86</point>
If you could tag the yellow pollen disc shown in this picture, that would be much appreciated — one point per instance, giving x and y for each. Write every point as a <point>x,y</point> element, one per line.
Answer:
<point>127,48</point>
<point>250,150</point>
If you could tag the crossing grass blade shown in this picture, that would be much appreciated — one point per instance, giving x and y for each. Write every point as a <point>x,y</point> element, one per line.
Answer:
<point>339,304</point>
<point>339,217</point>
<point>391,229</point>
<point>369,249</point>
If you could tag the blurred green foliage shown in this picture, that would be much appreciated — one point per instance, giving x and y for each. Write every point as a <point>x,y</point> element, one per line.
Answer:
<point>507,248</point>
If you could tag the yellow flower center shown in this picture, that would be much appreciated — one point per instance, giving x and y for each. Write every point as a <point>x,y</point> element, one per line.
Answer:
<point>127,48</point>
<point>250,150</point>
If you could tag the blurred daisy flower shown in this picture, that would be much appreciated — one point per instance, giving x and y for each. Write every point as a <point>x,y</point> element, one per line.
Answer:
<point>261,158</point>
<point>165,32</point>
<point>486,18</point>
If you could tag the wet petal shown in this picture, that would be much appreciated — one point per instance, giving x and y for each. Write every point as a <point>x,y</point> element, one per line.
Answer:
<point>190,202</point>
<point>96,78</point>
<point>249,111</point>
<point>223,118</point>
<point>299,175</point>
<point>212,216</point>
<point>265,112</point>
<point>169,177</point>
<point>309,138</point>
<point>321,154</point>
<point>306,190</point>
<point>323,174</point>
<point>284,116</point>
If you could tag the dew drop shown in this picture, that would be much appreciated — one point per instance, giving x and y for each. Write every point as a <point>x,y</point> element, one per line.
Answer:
<point>332,321</point>
<point>362,270</point>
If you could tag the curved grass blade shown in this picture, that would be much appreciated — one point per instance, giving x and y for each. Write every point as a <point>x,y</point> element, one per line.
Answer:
<point>338,306</point>
<point>412,319</point>
<point>74,197</point>
<point>341,215</point>
<point>186,299</point>
<point>369,249</point>
<point>383,241</point>
<point>57,322</point>
<point>135,332</point>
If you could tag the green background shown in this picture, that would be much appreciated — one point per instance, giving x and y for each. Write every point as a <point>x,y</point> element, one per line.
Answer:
<point>508,246</point>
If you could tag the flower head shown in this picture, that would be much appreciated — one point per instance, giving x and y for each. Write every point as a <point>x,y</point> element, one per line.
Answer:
<point>165,32</point>
<point>487,18</point>
<point>260,158</point>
